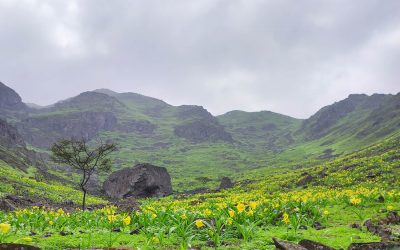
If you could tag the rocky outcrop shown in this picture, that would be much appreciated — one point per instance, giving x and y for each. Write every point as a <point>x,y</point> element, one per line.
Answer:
<point>202,131</point>
<point>320,123</point>
<point>44,130</point>
<point>9,99</point>
<point>226,183</point>
<point>193,112</point>
<point>143,180</point>
<point>140,127</point>
<point>9,135</point>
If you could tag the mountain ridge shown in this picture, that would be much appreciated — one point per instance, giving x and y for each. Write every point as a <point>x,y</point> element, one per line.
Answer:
<point>191,142</point>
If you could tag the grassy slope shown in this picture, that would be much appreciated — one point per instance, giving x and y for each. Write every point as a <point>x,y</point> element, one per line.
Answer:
<point>17,182</point>
<point>346,178</point>
<point>261,139</point>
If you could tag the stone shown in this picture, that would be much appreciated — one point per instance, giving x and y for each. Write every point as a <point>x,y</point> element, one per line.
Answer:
<point>286,245</point>
<point>375,246</point>
<point>384,232</point>
<point>12,246</point>
<point>305,180</point>
<point>226,183</point>
<point>318,226</point>
<point>141,181</point>
<point>312,245</point>
<point>393,218</point>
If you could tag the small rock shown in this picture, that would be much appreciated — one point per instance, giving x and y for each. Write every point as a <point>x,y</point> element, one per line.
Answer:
<point>356,226</point>
<point>226,183</point>
<point>393,218</point>
<point>210,243</point>
<point>318,226</point>
<point>46,235</point>
<point>384,232</point>
<point>286,245</point>
<point>312,245</point>
<point>136,231</point>
<point>305,180</point>
<point>303,227</point>
<point>62,233</point>
<point>375,246</point>
<point>11,246</point>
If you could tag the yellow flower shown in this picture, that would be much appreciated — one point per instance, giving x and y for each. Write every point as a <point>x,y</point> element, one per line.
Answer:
<point>5,228</point>
<point>229,221</point>
<point>111,218</point>
<point>207,212</point>
<point>253,205</point>
<point>285,218</point>
<point>27,239</point>
<point>240,207</point>
<point>355,201</point>
<point>155,240</point>
<point>199,223</point>
<point>326,212</point>
<point>127,220</point>
<point>153,216</point>
<point>184,216</point>
<point>51,223</point>
<point>390,207</point>
<point>231,213</point>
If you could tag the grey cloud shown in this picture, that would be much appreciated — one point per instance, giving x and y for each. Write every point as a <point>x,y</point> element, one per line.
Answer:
<point>291,57</point>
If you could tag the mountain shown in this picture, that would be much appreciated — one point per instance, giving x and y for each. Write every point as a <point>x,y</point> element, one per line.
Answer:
<point>11,105</point>
<point>194,144</point>
<point>265,129</point>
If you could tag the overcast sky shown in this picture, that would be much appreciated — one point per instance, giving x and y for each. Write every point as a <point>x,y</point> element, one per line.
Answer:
<point>291,57</point>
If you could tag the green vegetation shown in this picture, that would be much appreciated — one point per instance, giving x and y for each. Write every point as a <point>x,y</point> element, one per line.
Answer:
<point>352,189</point>
<point>295,179</point>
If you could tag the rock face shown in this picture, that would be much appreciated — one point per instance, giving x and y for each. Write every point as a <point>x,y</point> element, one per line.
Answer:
<point>319,124</point>
<point>9,99</point>
<point>9,135</point>
<point>201,131</point>
<point>199,125</point>
<point>143,180</point>
<point>141,127</point>
<point>42,131</point>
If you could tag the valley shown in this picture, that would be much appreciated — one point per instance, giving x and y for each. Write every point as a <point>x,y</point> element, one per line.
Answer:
<point>294,179</point>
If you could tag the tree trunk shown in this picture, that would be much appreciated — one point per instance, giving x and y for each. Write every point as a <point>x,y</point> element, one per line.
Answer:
<point>84,199</point>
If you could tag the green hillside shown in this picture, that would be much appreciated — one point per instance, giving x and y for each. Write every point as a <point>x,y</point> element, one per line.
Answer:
<point>196,146</point>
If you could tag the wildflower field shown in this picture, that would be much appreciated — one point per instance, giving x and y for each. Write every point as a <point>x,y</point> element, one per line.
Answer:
<point>330,209</point>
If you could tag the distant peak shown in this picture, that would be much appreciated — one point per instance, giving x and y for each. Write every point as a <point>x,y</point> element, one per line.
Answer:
<point>9,98</point>
<point>106,91</point>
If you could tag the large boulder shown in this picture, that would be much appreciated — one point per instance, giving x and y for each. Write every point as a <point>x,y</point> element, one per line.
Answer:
<point>143,180</point>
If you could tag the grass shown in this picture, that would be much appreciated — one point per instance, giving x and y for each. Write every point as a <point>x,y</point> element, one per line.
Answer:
<point>245,217</point>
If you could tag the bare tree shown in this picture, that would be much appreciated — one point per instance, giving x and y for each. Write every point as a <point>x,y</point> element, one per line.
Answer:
<point>77,154</point>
